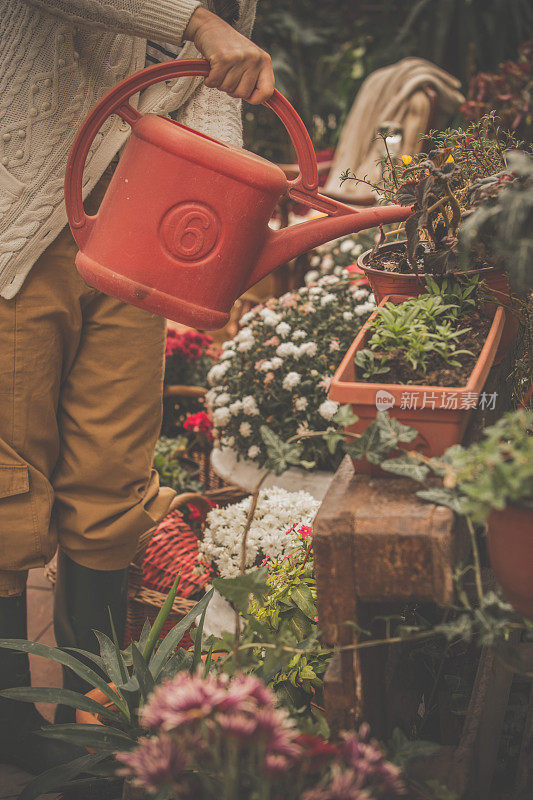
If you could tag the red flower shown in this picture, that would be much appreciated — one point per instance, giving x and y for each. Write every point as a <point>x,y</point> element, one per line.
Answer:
<point>199,423</point>
<point>190,345</point>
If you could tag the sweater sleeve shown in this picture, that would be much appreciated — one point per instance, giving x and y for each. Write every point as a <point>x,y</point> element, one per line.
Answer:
<point>161,20</point>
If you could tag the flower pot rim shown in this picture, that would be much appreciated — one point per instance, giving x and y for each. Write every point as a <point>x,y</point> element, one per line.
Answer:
<point>343,390</point>
<point>411,275</point>
<point>87,717</point>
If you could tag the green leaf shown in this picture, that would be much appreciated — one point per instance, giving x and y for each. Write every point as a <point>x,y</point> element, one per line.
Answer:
<point>442,497</point>
<point>303,597</point>
<point>98,736</point>
<point>407,468</point>
<point>345,417</point>
<point>145,633</point>
<point>56,777</point>
<point>179,662</point>
<point>65,697</point>
<point>112,658</point>
<point>83,671</point>
<point>238,590</point>
<point>142,673</point>
<point>280,455</point>
<point>197,653</point>
<point>403,750</point>
<point>173,637</point>
<point>160,620</point>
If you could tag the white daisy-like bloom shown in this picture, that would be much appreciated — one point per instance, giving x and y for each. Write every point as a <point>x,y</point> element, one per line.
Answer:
<point>291,380</point>
<point>328,409</point>
<point>328,280</point>
<point>228,345</point>
<point>347,315</point>
<point>221,417</point>
<point>308,349</point>
<point>253,451</point>
<point>314,291</point>
<point>287,349</point>
<point>334,345</point>
<point>266,366</point>
<point>327,261</point>
<point>277,511</point>
<point>249,406</point>
<point>283,329</point>
<point>347,246</point>
<point>217,372</point>
<point>299,334</point>
<point>269,317</point>
<point>246,346</point>
<point>248,317</point>
<point>312,276</point>
<point>314,260</point>
<point>364,308</point>
<point>301,404</point>
<point>324,382</point>
<point>360,294</point>
<point>245,429</point>
<point>227,354</point>
<point>303,290</point>
<point>210,397</point>
<point>357,249</point>
<point>228,441</point>
<point>222,399</point>
<point>338,271</point>
<point>235,407</point>
<point>276,362</point>
<point>244,335</point>
<point>328,298</point>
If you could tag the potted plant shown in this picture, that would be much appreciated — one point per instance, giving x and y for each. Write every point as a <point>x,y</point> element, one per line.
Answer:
<point>122,683</point>
<point>438,186</point>
<point>424,359</point>
<point>277,370</point>
<point>492,481</point>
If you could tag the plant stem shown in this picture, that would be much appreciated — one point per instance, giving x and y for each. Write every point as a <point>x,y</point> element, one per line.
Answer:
<point>477,563</point>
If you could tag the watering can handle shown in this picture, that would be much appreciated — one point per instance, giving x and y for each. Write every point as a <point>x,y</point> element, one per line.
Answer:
<point>116,102</point>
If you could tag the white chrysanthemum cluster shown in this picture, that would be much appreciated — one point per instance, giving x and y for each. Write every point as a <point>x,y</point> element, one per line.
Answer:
<point>277,369</point>
<point>270,533</point>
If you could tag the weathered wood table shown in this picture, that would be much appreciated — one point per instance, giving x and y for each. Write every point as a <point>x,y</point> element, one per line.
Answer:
<point>377,547</point>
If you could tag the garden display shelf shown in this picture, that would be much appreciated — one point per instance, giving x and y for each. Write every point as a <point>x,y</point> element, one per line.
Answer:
<point>441,413</point>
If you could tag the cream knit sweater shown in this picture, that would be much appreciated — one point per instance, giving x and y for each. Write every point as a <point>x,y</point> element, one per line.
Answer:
<point>57,58</point>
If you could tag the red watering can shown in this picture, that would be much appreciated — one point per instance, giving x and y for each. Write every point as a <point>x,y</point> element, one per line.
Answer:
<point>182,230</point>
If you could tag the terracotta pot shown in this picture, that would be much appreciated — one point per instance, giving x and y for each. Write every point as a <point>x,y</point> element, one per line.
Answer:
<point>87,717</point>
<point>443,420</point>
<point>408,284</point>
<point>510,535</point>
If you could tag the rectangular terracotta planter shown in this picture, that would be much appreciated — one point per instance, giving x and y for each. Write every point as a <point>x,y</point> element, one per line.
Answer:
<point>439,414</point>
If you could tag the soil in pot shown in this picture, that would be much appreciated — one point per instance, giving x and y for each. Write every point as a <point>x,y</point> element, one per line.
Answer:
<point>438,373</point>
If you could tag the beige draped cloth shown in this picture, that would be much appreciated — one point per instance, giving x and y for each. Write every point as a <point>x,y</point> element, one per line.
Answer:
<point>409,95</point>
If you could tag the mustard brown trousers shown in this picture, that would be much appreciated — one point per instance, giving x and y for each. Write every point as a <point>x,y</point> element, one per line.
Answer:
<point>80,411</point>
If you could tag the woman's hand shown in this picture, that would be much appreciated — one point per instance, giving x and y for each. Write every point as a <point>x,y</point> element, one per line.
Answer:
<point>238,66</point>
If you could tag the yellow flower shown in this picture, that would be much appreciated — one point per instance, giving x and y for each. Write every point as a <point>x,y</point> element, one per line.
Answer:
<point>450,159</point>
<point>407,160</point>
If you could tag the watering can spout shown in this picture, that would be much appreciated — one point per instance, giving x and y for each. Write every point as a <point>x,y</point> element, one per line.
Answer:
<point>282,246</point>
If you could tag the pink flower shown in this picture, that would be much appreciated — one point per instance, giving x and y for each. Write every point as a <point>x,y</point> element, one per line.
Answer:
<point>273,341</point>
<point>305,531</point>
<point>155,762</point>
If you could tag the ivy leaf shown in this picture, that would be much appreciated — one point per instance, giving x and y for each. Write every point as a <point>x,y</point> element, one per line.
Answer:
<point>443,497</point>
<point>345,417</point>
<point>280,454</point>
<point>403,750</point>
<point>238,590</point>
<point>406,467</point>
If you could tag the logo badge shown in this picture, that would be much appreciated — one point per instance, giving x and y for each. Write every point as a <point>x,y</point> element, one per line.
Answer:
<point>384,400</point>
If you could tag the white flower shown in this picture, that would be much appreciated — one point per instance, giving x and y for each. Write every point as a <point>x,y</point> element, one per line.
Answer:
<point>303,427</point>
<point>301,404</point>
<point>266,366</point>
<point>228,441</point>
<point>248,317</point>
<point>222,399</point>
<point>221,417</point>
<point>299,334</point>
<point>277,511</point>
<point>360,294</point>
<point>328,409</point>
<point>365,308</point>
<point>245,429</point>
<point>249,406</point>
<point>287,349</point>
<point>291,380</point>
<point>328,280</point>
<point>276,362</point>
<point>283,329</point>
<point>311,276</point>
<point>338,271</point>
<point>314,260</point>
<point>315,291</point>
<point>328,298</point>
<point>269,317</point>
<point>244,347</point>
<point>253,451</point>
<point>244,335</point>
<point>217,372</point>
<point>308,349</point>
<point>327,261</point>
<point>227,354</point>
<point>347,315</point>
<point>357,249</point>
<point>334,345</point>
<point>228,345</point>
<point>235,407</point>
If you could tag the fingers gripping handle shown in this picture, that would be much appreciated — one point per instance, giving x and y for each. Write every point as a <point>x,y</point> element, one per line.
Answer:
<point>116,102</point>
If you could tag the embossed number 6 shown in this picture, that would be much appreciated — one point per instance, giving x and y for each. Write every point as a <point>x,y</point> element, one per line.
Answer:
<point>190,233</point>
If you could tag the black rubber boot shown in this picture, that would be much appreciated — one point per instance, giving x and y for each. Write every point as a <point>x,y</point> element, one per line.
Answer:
<point>83,601</point>
<point>20,745</point>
